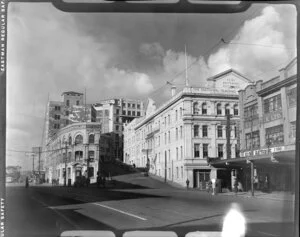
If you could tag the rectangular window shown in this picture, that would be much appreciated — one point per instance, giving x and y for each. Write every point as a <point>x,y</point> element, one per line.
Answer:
<point>169,119</point>
<point>67,113</point>
<point>117,111</point>
<point>124,104</point>
<point>293,130</point>
<point>177,153</point>
<point>138,106</point>
<point>176,134</point>
<point>204,131</point>
<point>181,171</point>
<point>254,140</point>
<point>68,103</point>
<point>274,135</point>
<point>180,132</point>
<point>133,113</point>
<point>57,108</point>
<point>181,153</point>
<point>176,115</point>
<point>57,117</point>
<point>77,102</point>
<point>117,127</point>
<point>128,112</point>
<point>133,105</point>
<point>106,113</point>
<point>292,96</point>
<point>138,113</point>
<point>165,138</point>
<point>237,152</point>
<point>205,150</point>
<point>272,104</point>
<point>196,130</point>
<point>169,155</point>
<point>169,136</point>
<point>128,105</point>
<point>220,131</point>
<point>220,150</point>
<point>196,150</point>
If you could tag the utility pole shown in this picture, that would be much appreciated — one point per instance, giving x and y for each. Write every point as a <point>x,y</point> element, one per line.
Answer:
<point>251,162</point>
<point>32,164</point>
<point>228,147</point>
<point>65,178</point>
<point>165,166</point>
<point>40,150</point>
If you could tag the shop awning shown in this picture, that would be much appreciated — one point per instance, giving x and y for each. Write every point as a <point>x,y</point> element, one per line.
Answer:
<point>278,158</point>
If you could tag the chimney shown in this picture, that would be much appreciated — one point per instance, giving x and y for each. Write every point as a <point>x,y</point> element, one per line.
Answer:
<point>173,90</point>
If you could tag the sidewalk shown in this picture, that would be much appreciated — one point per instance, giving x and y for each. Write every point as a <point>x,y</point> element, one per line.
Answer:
<point>280,196</point>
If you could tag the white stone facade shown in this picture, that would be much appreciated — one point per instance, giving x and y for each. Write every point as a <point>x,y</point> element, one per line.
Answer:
<point>180,135</point>
<point>79,141</point>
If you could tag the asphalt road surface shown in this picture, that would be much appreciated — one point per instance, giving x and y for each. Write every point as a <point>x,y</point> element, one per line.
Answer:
<point>48,211</point>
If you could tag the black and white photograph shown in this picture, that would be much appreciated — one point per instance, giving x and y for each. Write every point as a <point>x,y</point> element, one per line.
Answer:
<point>150,122</point>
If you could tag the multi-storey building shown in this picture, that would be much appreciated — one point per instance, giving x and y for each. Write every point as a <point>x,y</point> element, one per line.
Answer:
<point>112,114</point>
<point>268,128</point>
<point>70,110</point>
<point>73,148</point>
<point>178,138</point>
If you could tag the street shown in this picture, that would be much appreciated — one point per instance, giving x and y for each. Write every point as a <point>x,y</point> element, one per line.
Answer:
<point>48,211</point>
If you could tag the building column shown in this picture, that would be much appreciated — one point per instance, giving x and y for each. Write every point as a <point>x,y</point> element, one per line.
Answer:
<point>285,115</point>
<point>262,131</point>
<point>188,141</point>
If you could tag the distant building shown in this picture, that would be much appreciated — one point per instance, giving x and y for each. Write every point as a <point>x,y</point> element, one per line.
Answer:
<point>70,110</point>
<point>73,148</point>
<point>178,138</point>
<point>112,114</point>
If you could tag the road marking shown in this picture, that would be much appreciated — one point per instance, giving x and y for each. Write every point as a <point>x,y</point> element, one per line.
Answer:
<point>266,233</point>
<point>123,212</point>
<point>57,212</point>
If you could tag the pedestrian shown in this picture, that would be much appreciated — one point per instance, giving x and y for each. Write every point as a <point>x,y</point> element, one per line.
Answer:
<point>27,182</point>
<point>187,183</point>
<point>235,186</point>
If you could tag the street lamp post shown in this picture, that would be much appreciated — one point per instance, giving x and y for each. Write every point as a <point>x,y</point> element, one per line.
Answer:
<point>65,159</point>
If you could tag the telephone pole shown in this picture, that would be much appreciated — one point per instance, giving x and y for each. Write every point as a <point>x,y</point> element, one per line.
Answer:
<point>228,147</point>
<point>40,150</point>
<point>65,178</point>
<point>32,164</point>
<point>251,161</point>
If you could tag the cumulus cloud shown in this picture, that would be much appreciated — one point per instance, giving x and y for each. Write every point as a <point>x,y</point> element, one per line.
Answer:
<point>260,44</point>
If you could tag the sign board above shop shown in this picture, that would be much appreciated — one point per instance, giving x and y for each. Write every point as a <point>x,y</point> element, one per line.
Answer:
<point>264,151</point>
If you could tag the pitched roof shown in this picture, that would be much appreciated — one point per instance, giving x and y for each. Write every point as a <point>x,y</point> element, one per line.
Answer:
<point>72,93</point>
<point>227,72</point>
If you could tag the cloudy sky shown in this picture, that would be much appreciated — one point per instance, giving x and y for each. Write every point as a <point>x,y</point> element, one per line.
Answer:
<point>130,55</point>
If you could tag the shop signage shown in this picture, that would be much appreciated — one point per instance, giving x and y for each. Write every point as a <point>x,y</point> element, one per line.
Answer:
<point>263,151</point>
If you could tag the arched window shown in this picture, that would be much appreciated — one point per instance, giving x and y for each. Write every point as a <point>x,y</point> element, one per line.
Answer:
<point>227,109</point>
<point>78,139</point>
<point>219,109</point>
<point>70,140</point>
<point>236,110</point>
<point>91,139</point>
<point>195,108</point>
<point>204,108</point>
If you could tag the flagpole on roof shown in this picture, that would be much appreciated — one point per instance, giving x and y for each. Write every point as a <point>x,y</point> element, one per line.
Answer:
<point>186,74</point>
